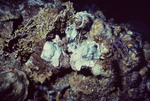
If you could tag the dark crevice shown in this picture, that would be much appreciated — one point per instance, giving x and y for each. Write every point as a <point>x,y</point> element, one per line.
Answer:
<point>117,72</point>
<point>24,58</point>
<point>142,62</point>
<point>16,23</point>
<point>85,72</point>
<point>63,91</point>
<point>11,43</point>
<point>31,90</point>
<point>61,73</point>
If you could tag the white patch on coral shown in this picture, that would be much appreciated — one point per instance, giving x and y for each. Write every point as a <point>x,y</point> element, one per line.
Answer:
<point>57,39</point>
<point>85,56</point>
<point>72,47</point>
<point>51,53</point>
<point>103,49</point>
<point>82,17</point>
<point>71,32</point>
<point>97,70</point>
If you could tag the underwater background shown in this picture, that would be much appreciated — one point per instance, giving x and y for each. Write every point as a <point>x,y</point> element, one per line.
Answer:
<point>77,50</point>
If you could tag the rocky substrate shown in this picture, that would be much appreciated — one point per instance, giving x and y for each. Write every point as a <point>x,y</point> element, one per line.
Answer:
<point>48,52</point>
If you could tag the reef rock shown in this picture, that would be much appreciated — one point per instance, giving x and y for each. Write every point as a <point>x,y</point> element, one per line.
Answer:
<point>14,85</point>
<point>70,55</point>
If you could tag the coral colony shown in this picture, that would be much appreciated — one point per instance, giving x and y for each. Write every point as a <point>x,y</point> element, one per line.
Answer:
<point>50,51</point>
